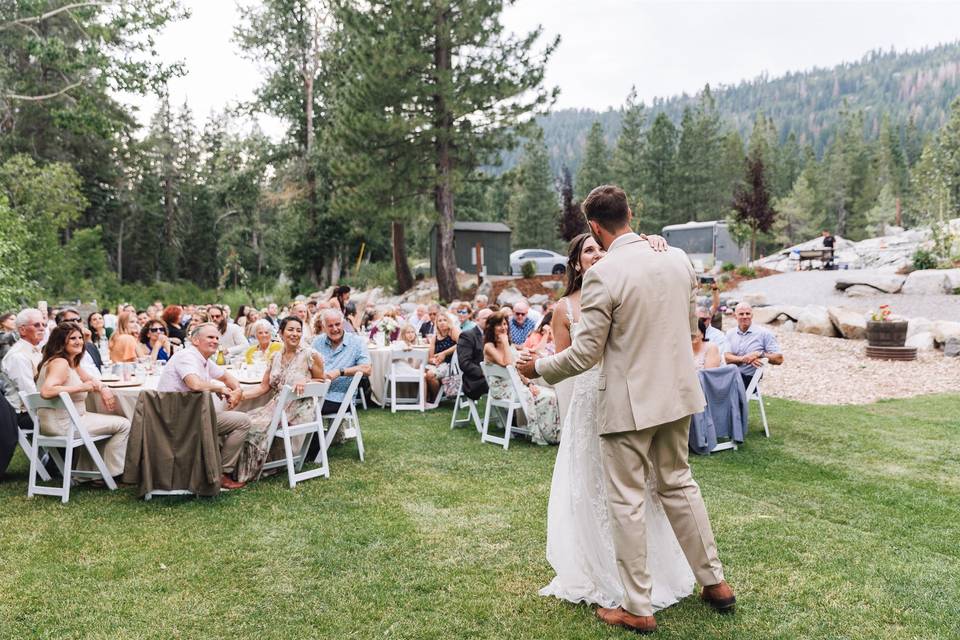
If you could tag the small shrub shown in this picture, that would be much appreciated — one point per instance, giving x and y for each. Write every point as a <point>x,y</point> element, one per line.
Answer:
<point>728,266</point>
<point>373,274</point>
<point>528,269</point>
<point>923,259</point>
<point>746,272</point>
<point>956,291</point>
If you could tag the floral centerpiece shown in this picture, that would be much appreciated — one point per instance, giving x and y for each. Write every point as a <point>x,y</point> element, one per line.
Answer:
<point>388,328</point>
<point>883,330</point>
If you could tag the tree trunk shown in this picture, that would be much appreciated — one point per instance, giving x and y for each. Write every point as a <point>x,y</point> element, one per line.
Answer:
<point>316,261</point>
<point>443,194</point>
<point>400,264</point>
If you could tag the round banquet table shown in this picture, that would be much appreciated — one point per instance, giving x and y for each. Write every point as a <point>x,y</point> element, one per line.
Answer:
<point>379,365</point>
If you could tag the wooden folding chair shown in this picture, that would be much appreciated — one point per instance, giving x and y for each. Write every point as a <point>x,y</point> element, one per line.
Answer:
<point>280,427</point>
<point>75,437</point>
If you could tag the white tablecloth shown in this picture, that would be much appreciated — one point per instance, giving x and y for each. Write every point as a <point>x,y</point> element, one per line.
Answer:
<point>127,398</point>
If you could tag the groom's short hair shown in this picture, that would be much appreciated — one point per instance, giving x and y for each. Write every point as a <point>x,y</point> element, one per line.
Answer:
<point>607,205</point>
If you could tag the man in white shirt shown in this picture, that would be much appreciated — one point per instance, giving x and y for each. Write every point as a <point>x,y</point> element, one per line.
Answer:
<point>713,335</point>
<point>418,317</point>
<point>19,366</point>
<point>232,340</point>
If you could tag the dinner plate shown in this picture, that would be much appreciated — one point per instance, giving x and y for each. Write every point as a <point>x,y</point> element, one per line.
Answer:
<point>249,380</point>
<point>109,379</point>
<point>128,383</point>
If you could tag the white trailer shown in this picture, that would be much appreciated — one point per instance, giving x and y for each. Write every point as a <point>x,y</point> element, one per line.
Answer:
<point>707,243</point>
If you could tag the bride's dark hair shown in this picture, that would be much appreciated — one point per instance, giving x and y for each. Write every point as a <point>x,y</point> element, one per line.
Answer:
<point>573,274</point>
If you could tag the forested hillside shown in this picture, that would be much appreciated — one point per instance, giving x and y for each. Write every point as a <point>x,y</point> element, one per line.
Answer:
<point>914,86</point>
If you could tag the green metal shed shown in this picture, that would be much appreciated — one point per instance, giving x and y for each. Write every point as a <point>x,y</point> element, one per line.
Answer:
<point>494,239</point>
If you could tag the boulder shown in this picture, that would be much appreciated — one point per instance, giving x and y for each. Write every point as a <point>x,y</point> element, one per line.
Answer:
<point>754,299</point>
<point>951,348</point>
<point>852,325</point>
<point>953,279</point>
<point>922,341</point>
<point>556,285</point>
<point>944,330</point>
<point>884,283</point>
<point>362,298</point>
<point>510,296</point>
<point>918,325</point>
<point>776,313</point>
<point>539,298</point>
<point>485,289</point>
<point>789,325</point>
<point>926,282</point>
<point>817,321</point>
<point>860,290</point>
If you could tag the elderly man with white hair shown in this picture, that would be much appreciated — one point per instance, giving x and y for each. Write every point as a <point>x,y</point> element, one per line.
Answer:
<point>19,372</point>
<point>748,345</point>
<point>344,354</point>
<point>521,325</point>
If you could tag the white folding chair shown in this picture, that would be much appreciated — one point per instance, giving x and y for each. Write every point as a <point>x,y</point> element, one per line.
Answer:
<point>23,439</point>
<point>280,427</point>
<point>514,403</point>
<point>462,401</point>
<point>407,366</point>
<point>75,437</point>
<point>347,412</point>
<point>753,394</point>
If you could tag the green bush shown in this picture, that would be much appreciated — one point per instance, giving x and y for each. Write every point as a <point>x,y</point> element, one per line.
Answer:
<point>728,266</point>
<point>923,259</point>
<point>747,272</point>
<point>528,269</point>
<point>373,274</point>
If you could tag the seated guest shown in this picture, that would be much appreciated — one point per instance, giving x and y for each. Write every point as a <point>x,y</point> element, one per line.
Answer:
<point>172,316</point>
<point>443,343</point>
<point>713,335</point>
<point>295,365</point>
<point>299,311</point>
<point>706,355</point>
<point>429,325</point>
<point>748,344</point>
<point>343,356</point>
<point>98,330</point>
<point>272,316</point>
<point>470,355</point>
<point>341,295</point>
<point>60,371</point>
<point>197,318</point>
<point>480,301</point>
<point>464,314</point>
<point>521,325</point>
<point>541,340</point>
<point>231,336</point>
<point>20,364</point>
<point>123,342</point>
<point>544,424</point>
<point>250,320</point>
<point>265,347</point>
<point>154,341</point>
<point>418,317</point>
<point>142,317</point>
<point>191,369</point>
<point>91,361</point>
<point>351,322</point>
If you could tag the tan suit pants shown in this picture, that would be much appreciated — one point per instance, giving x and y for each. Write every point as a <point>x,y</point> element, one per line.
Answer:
<point>629,458</point>
<point>232,428</point>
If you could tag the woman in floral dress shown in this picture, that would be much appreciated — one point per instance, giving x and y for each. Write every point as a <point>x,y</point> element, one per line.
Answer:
<point>294,365</point>
<point>544,424</point>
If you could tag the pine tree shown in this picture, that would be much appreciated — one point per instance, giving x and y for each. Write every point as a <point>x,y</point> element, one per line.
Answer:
<point>595,169</point>
<point>751,203</point>
<point>797,215</point>
<point>533,205</point>
<point>659,162</point>
<point>626,166</point>
<point>572,221</point>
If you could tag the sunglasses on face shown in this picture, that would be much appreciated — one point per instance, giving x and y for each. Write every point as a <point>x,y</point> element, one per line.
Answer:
<point>462,312</point>
<point>519,314</point>
<point>157,330</point>
<point>37,325</point>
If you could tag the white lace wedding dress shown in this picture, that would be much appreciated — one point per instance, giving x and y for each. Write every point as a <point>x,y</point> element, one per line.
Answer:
<point>579,539</point>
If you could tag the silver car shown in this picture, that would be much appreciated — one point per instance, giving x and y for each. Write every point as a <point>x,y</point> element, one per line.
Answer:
<point>548,262</point>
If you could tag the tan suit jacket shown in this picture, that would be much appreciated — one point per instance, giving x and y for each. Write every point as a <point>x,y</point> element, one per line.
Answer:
<point>638,311</point>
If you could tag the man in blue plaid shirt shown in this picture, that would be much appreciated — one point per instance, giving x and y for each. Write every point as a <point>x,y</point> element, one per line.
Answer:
<point>521,325</point>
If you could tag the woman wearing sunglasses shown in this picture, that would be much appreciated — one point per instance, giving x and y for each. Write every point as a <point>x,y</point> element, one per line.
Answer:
<point>154,341</point>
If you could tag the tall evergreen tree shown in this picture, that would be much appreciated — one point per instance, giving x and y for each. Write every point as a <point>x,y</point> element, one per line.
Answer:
<point>533,206</point>
<point>571,222</point>
<point>626,166</point>
<point>659,163</point>
<point>595,169</point>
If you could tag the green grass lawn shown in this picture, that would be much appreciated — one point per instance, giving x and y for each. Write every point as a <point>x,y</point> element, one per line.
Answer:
<point>845,524</point>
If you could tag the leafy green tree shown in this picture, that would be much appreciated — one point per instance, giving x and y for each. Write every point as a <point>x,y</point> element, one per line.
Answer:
<point>626,166</point>
<point>595,168</point>
<point>659,166</point>
<point>797,213</point>
<point>533,206</point>
<point>15,284</point>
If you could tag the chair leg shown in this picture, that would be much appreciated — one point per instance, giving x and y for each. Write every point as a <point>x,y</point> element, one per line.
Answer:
<point>763,414</point>
<point>288,454</point>
<point>33,451</point>
<point>506,428</point>
<point>67,473</point>
<point>393,395</point>
<point>473,413</point>
<point>486,424</point>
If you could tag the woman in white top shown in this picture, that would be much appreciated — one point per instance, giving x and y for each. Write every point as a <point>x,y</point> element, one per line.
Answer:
<point>59,371</point>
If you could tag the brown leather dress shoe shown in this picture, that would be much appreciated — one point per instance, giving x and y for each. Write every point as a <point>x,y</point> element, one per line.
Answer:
<point>719,596</point>
<point>620,618</point>
<point>228,483</point>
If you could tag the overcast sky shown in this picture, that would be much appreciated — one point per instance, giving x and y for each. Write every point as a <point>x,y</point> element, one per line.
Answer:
<point>664,48</point>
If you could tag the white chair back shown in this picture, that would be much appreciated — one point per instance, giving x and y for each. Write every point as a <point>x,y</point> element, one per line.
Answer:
<point>754,395</point>
<point>414,371</point>
<point>513,403</point>
<point>462,401</point>
<point>76,436</point>
<point>347,412</point>
<point>316,392</point>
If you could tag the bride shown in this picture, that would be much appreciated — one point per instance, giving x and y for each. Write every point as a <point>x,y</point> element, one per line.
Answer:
<point>579,539</point>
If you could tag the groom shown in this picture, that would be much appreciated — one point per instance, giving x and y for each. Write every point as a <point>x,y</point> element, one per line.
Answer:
<point>638,312</point>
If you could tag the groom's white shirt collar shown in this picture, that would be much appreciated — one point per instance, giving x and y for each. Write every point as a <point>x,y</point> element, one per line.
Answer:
<point>626,238</point>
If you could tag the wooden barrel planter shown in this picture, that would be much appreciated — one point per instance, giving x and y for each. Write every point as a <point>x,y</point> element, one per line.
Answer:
<point>886,334</point>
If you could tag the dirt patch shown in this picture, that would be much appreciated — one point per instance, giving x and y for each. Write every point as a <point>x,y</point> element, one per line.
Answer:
<point>527,286</point>
<point>734,279</point>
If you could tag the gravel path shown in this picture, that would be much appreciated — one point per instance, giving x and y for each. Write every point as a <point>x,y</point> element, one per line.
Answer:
<point>822,370</point>
<point>817,287</point>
